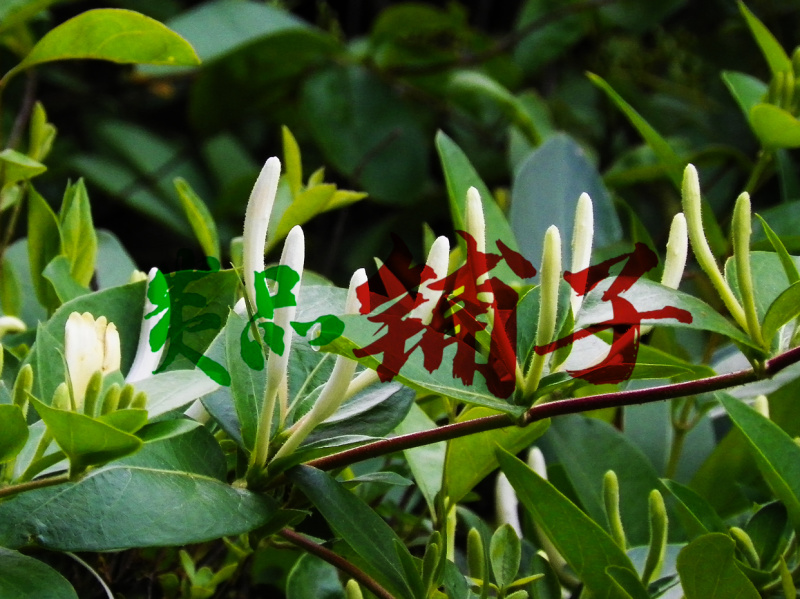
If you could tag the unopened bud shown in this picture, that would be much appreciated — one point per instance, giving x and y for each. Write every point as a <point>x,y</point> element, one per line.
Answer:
<point>139,401</point>
<point>352,590</point>
<point>611,501</point>
<point>92,394</point>
<point>658,536</point>
<point>761,405</point>
<point>475,555</point>
<point>61,399</point>
<point>111,399</point>
<point>22,387</point>
<point>126,397</point>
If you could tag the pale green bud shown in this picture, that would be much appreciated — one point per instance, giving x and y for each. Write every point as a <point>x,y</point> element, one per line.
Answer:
<point>611,501</point>
<point>741,252</point>
<point>548,307</point>
<point>658,536</point>
<point>745,545</point>
<point>352,590</point>
<point>22,387</point>
<point>692,203</point>
<point>92,394</point>
<point>111,399</point>
<point>475,555</point>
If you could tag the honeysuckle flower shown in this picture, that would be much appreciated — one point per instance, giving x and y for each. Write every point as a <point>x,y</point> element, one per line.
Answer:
<point>293,256</point>
<point>89,345</point>
<point>476,227</point>
<point>675,262</point>
<point>334,391</point>
<point>147,357</point>
<point>427,298</point>
<point>256,223</point>
<point>548,305</point>
<point>582,238</point>
<point>692,209</point>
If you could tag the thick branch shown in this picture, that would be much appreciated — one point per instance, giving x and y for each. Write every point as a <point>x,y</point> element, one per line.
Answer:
<point>339,562</point>
<point>558,408</point>
<point>39,483</point>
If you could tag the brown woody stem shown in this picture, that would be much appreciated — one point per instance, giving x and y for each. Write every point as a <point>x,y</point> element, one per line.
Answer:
<point>339,562</point>
<point>558,408</point>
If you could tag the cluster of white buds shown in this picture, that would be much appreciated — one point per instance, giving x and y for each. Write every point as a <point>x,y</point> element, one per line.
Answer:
<point>90,345</point>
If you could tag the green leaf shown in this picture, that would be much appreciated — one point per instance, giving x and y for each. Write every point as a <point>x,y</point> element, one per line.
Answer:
<point>426,462</point>
<point>460,175</point>
<point>769,279</point>
<point>789,266</point>
<point>44,244</point>
<point>15,431</point>
<point>649,295</point>
<point>768,529</point>
<point>776,454</point>
<point>666,155</point>
<point>545,192</point>
<point>18,167</point>
<point>697,516</point>
<point>471,458</point>
<point>179,445</point>
<point>785,308</point>
<point>773,52</point>
<point>65,286</point>
<point>22,577</point>
<point>120,507</point>
<point>367,131</point>
<point>85,441</point>
<point>118,35</point>
<point>587,448</point>
<point>247,384</point>
<point>375,412</point>
<point>360,332</point>
<point>551,38</point>
<point>235,25</point>
<point>169,391</point>
<point>313,578</point>
<point>292,162</point>
<point>505,554</point>
<point>586,547</point>
<point>472,87</point>
<point>114,265</point>
<point>200,218</point>
<point>775,127</point>
<point>355,522</point>
<point>78,237</point>
<point>708,570</point>
<point>745,89</point>
<point>627,582</point>
<point>303,208</point>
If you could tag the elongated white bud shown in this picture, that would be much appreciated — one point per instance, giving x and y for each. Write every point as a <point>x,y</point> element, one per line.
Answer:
<point>256,223</point>
<point>506,504</point>
<point>582,238</point>
<point>427,298</point>
<point>675,263</point>
<point>334,391</point>
<point>293,256</point>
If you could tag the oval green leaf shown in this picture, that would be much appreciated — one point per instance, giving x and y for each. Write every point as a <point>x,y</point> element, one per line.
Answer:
<point>118,35</point>
<point>708,570</point>
<point>120,507</point>
<point>775,127</point>
<point>22,577</point>
<point>15,431</point>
